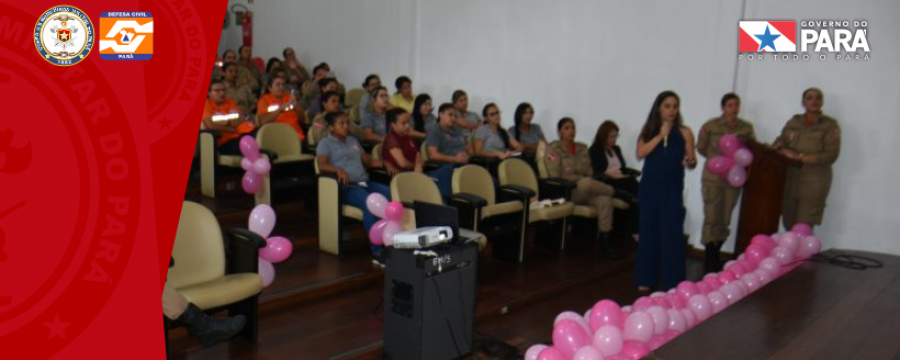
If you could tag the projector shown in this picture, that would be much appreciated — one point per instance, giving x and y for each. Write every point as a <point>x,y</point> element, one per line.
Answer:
<point>423,237</point>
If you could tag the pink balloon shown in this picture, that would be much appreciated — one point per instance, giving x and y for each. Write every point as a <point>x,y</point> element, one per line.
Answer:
<point>534,351</point>
<point>743,157</point>
<point>657,294</point>
<point>262,166</point>
<point>703,288</point>
<point>713,281</point>
<point>700,305</point>
<point>767,242</point>
<point>737,268</point>
<point>246,164</point>
<point>617,357</point>
<point>660,319</point>
<point>689,317</point>
<point>266,272</point>
<point>376,203</point>
<point>752,281</point>
<point>639,326</point>
<point>764,276</point>
<point>677,322</point>
<point>643,303</point>
<point>251,182</point>
<point>719,165</point>
<point>742,288</point>
<point>249,147</point>
<point>737,176</point>
<point>262,220</point>
<point>552,354</point>
<point>608,339</point>
<point>587,353</point>
<point>731,292</point>
<point>729,144</point>
<point>718,301</point>
<point>587,318</point>
<point>783,255</point>
<point>277,249</point>
<point>771,265</point>
<point>671,335</point>
<point>656,342</point>
<point>802,229</point>
<point>568,337</point>
<point>727,276</point>
<point>569,315</point>
<point>687,289</point>
<point>662,302</point>
<point>635,350</point>
<point>790,241</point>
<point>809,246</point>
<point>390,229</point>
<point>676,300</point>
<point>756,253</point>
<point>394,211</point>
<point>376,232</point>
<point>606,312</point>
<point>626,310</point>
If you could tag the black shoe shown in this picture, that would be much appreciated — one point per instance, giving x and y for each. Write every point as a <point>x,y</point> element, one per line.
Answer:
<point>713,262</point>
<point>605,248</point>
<point>378,260</point>
<point>625,196</point>
<point>210,330</point>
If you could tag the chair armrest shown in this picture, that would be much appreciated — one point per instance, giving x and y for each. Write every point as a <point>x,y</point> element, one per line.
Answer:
<point>215,133</point>
<point>244,248</point>
<point>631,172</point>
<point>270,153</point>
<point>515,193</point>
<point>467,206</point>
<point>380,176</point>
<point>554,188</point>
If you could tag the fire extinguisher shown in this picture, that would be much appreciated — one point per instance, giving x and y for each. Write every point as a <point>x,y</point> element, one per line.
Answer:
<point>247,23</point>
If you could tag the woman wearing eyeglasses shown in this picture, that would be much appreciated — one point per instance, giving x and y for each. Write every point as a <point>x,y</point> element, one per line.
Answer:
<point>491,140</point>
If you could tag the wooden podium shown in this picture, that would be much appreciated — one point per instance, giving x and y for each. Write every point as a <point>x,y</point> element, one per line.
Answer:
<point>763,193</point>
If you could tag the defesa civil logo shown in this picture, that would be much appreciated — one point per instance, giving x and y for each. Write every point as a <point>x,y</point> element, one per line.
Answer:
<point>841,40</point>
<point>64,35</point>
<point>126,35</point>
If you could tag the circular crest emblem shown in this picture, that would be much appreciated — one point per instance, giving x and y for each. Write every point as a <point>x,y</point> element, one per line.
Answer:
<point>64,35</point>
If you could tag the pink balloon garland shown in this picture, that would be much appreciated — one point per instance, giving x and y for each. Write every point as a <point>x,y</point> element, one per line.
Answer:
<point>277,249</point>
<point>607,331</point>
<point>254,165</point>
<point>732,164</point>
<point>382,233</point>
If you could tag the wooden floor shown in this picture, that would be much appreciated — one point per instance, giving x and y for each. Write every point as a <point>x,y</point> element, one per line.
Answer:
<point>322,307</point>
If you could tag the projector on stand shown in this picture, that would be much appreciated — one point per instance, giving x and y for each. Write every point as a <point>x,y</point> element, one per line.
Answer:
<point>423,237</point>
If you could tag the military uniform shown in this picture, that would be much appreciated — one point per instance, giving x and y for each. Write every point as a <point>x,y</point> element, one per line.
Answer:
<point>806,188</point>
<point>562,163</point>
<point>242,95</point>
<point>719,198</point>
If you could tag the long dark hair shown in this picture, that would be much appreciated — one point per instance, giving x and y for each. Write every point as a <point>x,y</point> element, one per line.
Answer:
<point>603,131</point>
<point>520,112</point>
<point>271,63</point>
<point>503,135</point>
<point>654,120</point>
<point>418,119</point>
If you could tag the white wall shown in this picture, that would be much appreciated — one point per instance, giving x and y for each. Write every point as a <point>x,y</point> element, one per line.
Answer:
<point>597,60</point>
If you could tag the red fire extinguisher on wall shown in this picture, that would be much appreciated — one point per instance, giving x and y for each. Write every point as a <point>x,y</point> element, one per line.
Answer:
<point>247,23</point>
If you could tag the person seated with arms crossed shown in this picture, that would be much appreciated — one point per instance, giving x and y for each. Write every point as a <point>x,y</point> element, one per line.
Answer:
<point>223,115</point>
<point>342,155</point>
<point>400,152</point>
<point>610,168</point>
<point>571,161</point>
<point>465,119</point>
<point>446,142</point>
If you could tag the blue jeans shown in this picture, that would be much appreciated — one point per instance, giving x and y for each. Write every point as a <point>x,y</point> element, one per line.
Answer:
<point>355,195</point>
<point>444,177</point>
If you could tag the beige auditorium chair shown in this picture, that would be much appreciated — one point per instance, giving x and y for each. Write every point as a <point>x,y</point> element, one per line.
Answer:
<point>500,216</point>
<point>517,175</point>
<point>333,212</point>
<point>210,160</point>
<point>210,278</point>
<point>581,211</point>
<point>353,96</point>
<point>292,170</point>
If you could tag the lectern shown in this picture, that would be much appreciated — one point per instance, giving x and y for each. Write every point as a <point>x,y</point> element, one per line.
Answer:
<point>761,202</point>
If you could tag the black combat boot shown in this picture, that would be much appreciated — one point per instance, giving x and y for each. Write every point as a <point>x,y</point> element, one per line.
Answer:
<point>605,247</point>
<point>713,261</point>
<point>210,330</point>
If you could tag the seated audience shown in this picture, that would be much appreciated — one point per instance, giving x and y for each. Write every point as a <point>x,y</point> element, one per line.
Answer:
<point>491,140</point>
<point>278,106</point>
<point>446,142</point>
<point>245,60</point>
<point>365,101</point>
<point>240,94</point>
<point>400,152</point>
<point>423,118</point>
<point>524,131</point>
<point>404,97</point>
<point>373,123</point>
<point>610,168</point>
<point>208,329</point>
<point>325,85</point>
<point>296,69</point>
<point>465,119</point>
<point>223,115</point>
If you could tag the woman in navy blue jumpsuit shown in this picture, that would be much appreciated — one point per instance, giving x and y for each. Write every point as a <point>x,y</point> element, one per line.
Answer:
<point>667,147</point>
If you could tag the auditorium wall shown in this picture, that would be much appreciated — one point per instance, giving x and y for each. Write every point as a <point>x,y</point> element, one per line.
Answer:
<point>607,60</point>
